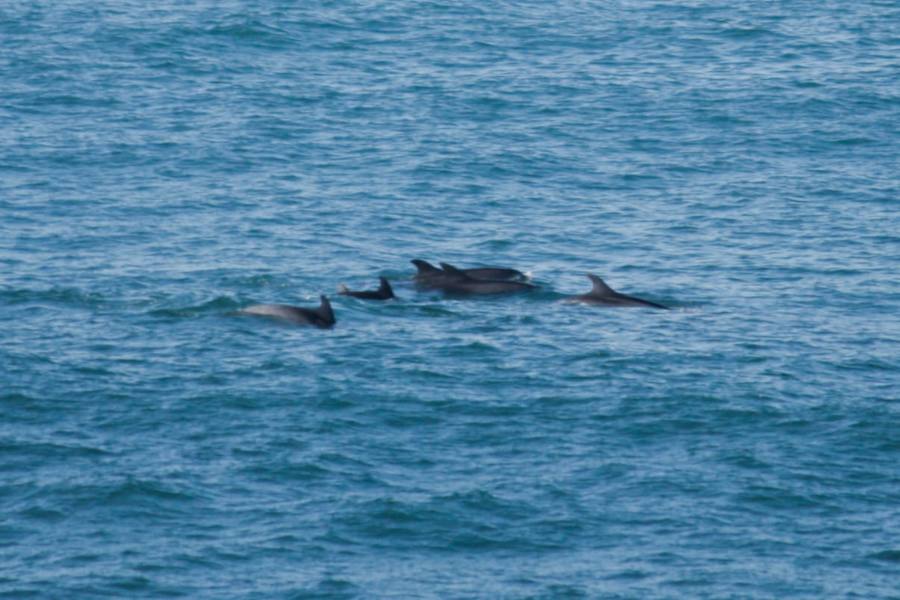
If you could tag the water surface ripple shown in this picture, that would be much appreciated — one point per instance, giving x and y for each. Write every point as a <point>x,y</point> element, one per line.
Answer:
<point>163,165</point>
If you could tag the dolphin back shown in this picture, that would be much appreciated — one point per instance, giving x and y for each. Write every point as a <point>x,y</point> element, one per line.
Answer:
<point>424,267</point>
<point>495,273</point>
<point>451,270</point>
<point>459,282</point>
<point>601,293</point>
<point>298,315</point>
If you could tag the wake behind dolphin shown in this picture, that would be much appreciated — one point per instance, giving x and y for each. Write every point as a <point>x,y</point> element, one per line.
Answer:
<point>603,294</point>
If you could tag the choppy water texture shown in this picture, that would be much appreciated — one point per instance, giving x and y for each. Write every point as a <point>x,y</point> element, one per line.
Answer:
<point>164,164</point>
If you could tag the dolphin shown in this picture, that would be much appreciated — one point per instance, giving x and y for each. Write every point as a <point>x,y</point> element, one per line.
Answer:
<point>426,271</point>
<point>457,281</point>
<point>603,294</point>
<point>384,292</point>
<point>321,317</point>
<point>494,273</point>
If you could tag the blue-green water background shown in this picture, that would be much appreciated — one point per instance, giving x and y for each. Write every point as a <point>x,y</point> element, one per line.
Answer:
<point>164,164</point>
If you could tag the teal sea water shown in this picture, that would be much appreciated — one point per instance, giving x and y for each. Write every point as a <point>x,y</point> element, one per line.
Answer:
<point>165,164</point>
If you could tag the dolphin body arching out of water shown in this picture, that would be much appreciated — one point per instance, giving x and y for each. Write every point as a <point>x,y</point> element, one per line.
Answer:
<point>384,292</point>
<point>602,294</point>
<point>321,317</point>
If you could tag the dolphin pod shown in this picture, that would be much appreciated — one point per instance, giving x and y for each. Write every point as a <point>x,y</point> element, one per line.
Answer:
<point>452,281</point>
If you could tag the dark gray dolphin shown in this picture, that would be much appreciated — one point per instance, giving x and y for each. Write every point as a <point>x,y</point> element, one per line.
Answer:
<point>457,281</point>
<point>425,271</point>
<point>431,277</point>
<point>494,273</point>
<point>321,317</point>
<point>603,294</point>
<point>384,292</point>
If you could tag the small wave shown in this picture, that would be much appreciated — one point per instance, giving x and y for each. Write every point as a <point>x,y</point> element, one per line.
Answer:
<point>134,491</point>
<point>743,33</point>
<point>472,348</point>
<point>855,141</point>
<point>216,305</point>
<point>38,513</point>
<point>867,365</point>
<point>55,295</point>
<point>70,101</point>
<point>304,472</point>
<point>249,31</point>
<point>17,399</point>
<point>250,281</point>
<point>887,556</point>
<point>437,311</point>
<point>36,450</point>
<point>769,498</point>
<point>329,587</point>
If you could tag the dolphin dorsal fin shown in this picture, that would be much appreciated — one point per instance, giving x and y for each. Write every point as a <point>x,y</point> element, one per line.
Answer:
<point>599,287</point>
<point>385,285</point>
<point>450,269</point>
<point>324,309</point>
<point>424,266</point>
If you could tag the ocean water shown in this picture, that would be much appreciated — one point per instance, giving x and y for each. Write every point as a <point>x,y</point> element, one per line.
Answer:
<point>164,164</point>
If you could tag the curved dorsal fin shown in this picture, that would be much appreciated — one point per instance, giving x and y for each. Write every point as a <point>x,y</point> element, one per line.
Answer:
<point>324,309</point>
<point>385,285</point>
<point>424,266</point>
<point>450,269</point>
<point>599,287</point>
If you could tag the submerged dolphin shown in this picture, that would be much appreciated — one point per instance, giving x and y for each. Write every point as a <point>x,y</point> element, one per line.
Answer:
<point>384,292</point>
<point>603,294</point>
<point>321,317</point>
<point>457,281</point>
